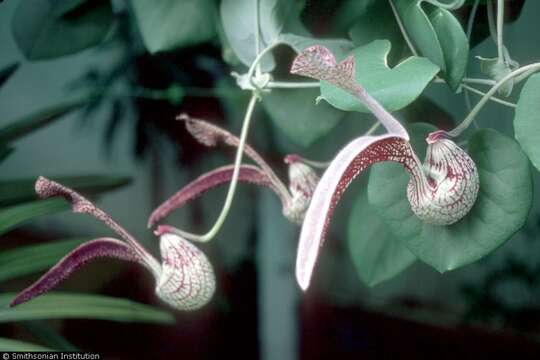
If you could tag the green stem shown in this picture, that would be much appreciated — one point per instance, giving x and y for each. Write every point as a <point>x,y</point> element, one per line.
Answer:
<point>500,23</point>
<point>234,181</point>
<point>257,35</point>
<point>292,85</point>
<point>479,81</point>
<point>467,121</point>
<point>451,6</point>
<point>493,98</point>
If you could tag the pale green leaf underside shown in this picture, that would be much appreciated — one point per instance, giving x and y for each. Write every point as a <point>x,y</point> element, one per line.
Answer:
<point>394,88</point>
<point>501,209</point>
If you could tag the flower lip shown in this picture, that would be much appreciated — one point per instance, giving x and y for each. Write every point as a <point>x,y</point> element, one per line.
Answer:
<point>436,136</point>
<point>291,159</point>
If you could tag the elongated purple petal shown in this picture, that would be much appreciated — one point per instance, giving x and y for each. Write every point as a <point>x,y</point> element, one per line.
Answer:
<point>219,176</point>
<point>83,254</point>
<point>46,188</point>
<point>349,163</point>
<point>210,135</point>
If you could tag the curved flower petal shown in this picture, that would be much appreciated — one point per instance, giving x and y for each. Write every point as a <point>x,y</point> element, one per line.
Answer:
<point>46,188</point>
<point>219,176</point>
<point>349,163</point>
<point>80,256</point>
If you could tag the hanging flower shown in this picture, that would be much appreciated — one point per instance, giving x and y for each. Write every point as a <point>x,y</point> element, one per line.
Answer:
<point>441,191</point>
<point>294,200</point>
<point>184,280</point>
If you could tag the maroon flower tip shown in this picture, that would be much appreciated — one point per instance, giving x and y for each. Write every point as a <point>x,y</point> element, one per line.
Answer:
<point>436,136</point>
<point>291,159</point>
<point>164,229</point>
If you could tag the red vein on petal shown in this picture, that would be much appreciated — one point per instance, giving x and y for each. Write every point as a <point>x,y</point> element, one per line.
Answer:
<point>349,163</point>
<point>248,173</point>
<point>80,256</point>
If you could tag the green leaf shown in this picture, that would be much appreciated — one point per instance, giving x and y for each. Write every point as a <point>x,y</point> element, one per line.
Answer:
<point>376,253</point>
<point>20,190</point>
<point>438,35</point>
<point>29,123</point>
<point>60,305</point>
<point>169,24</point>
<point>393,88</point>
<point>26,260</point>
<point>42,331</point>
<point>527,119</point>
<point>13,216</point>
<point>379,23</point>
<point>454,45</point>
<point>16,345</point>
<point>7,71</point>
<point>501,208</point>
<point>5,152</point>
<point>295,113</point>
<point>45,29</point>
<point>279,22</point>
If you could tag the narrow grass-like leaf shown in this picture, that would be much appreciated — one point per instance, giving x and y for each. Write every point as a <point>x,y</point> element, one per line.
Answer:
<point>29,123</point>
<point>16,345</point>
<point>47,335</point>
<point>13,216</point>
<point>69,306</point>
<point>26,260</point>
<point>6,72</point>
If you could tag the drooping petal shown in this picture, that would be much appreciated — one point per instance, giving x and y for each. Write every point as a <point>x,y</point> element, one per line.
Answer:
<point>187,279</point>
<point>219,176</point>
<point>349,163</point>
<point>210,135</point>
<point>319,63</point>
<point>80,256</point>
<point>46,188</point>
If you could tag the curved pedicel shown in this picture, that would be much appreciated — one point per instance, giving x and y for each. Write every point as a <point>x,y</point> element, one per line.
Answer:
<point>441,191</point>
<point>185,279</point>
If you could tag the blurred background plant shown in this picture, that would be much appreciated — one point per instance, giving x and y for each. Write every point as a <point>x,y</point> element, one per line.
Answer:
<point>103,81</point>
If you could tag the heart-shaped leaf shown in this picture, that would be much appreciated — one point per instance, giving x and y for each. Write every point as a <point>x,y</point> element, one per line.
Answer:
<point>501,208</point>
<point>295,113</point>
<point>438,35</point>
<point>376,253</point>
<point>169,24</point>
<point>45,29</point>
<point>527,119</point>
<point>393,88</point>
